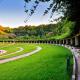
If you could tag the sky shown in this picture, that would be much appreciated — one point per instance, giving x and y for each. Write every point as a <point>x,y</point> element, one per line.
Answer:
<point>12,14</point>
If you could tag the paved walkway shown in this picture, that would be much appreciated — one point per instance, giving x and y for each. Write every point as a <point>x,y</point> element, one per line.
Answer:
<point>21,56</point>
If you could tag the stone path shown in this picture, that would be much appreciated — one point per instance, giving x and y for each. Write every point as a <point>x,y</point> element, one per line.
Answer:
<point>20,49</point>
<point>21,56</point>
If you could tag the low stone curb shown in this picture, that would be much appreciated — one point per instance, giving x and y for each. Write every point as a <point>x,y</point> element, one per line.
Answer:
<point>75,75</point>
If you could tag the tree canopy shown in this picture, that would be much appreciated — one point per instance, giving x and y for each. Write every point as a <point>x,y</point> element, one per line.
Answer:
<point>70,9</point>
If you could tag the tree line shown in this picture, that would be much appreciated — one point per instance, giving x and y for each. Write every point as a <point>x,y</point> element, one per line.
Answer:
<point>62,29</point>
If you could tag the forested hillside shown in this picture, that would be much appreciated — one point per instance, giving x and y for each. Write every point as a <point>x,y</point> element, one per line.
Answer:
<point>62,29</point>
<point>6,33</point>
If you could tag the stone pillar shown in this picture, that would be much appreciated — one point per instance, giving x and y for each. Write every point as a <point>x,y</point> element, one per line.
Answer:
<point>71,41</point>
<point>59,41</point>
<point>66,41</point>
<point>50,42</point>
<point>3,41</point>
<point>63,41</point>
<point>13,41</point>
<point>56,41</point>
<point>76,41</point>
<point>36,42</point>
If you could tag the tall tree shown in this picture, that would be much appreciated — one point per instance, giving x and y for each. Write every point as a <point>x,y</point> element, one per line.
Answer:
<point>70,8</point>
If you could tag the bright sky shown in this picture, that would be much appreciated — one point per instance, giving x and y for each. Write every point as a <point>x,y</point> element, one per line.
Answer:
<point>12,14</point>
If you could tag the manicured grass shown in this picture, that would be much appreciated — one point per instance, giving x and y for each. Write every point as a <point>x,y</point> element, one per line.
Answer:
<point>48,64</point>
<point>11,48</point>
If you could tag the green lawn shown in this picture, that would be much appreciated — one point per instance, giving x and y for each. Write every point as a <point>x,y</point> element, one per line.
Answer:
<point>48,64</point>
<point>11,48</point>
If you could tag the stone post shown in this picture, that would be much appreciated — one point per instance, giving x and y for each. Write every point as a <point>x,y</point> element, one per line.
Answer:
<point>59,41</point>
<point>56,41</point>
<point>66,41</point>
<point>63,41</point>
<point>71,41</point>
<point>76,41</point>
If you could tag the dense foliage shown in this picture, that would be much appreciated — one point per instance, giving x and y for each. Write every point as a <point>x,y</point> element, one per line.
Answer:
<point>70,9</point>
<point>65,29</point>
<point>61,30</point>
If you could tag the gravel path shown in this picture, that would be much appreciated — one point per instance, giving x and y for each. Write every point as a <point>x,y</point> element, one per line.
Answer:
<point>21,56</point>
